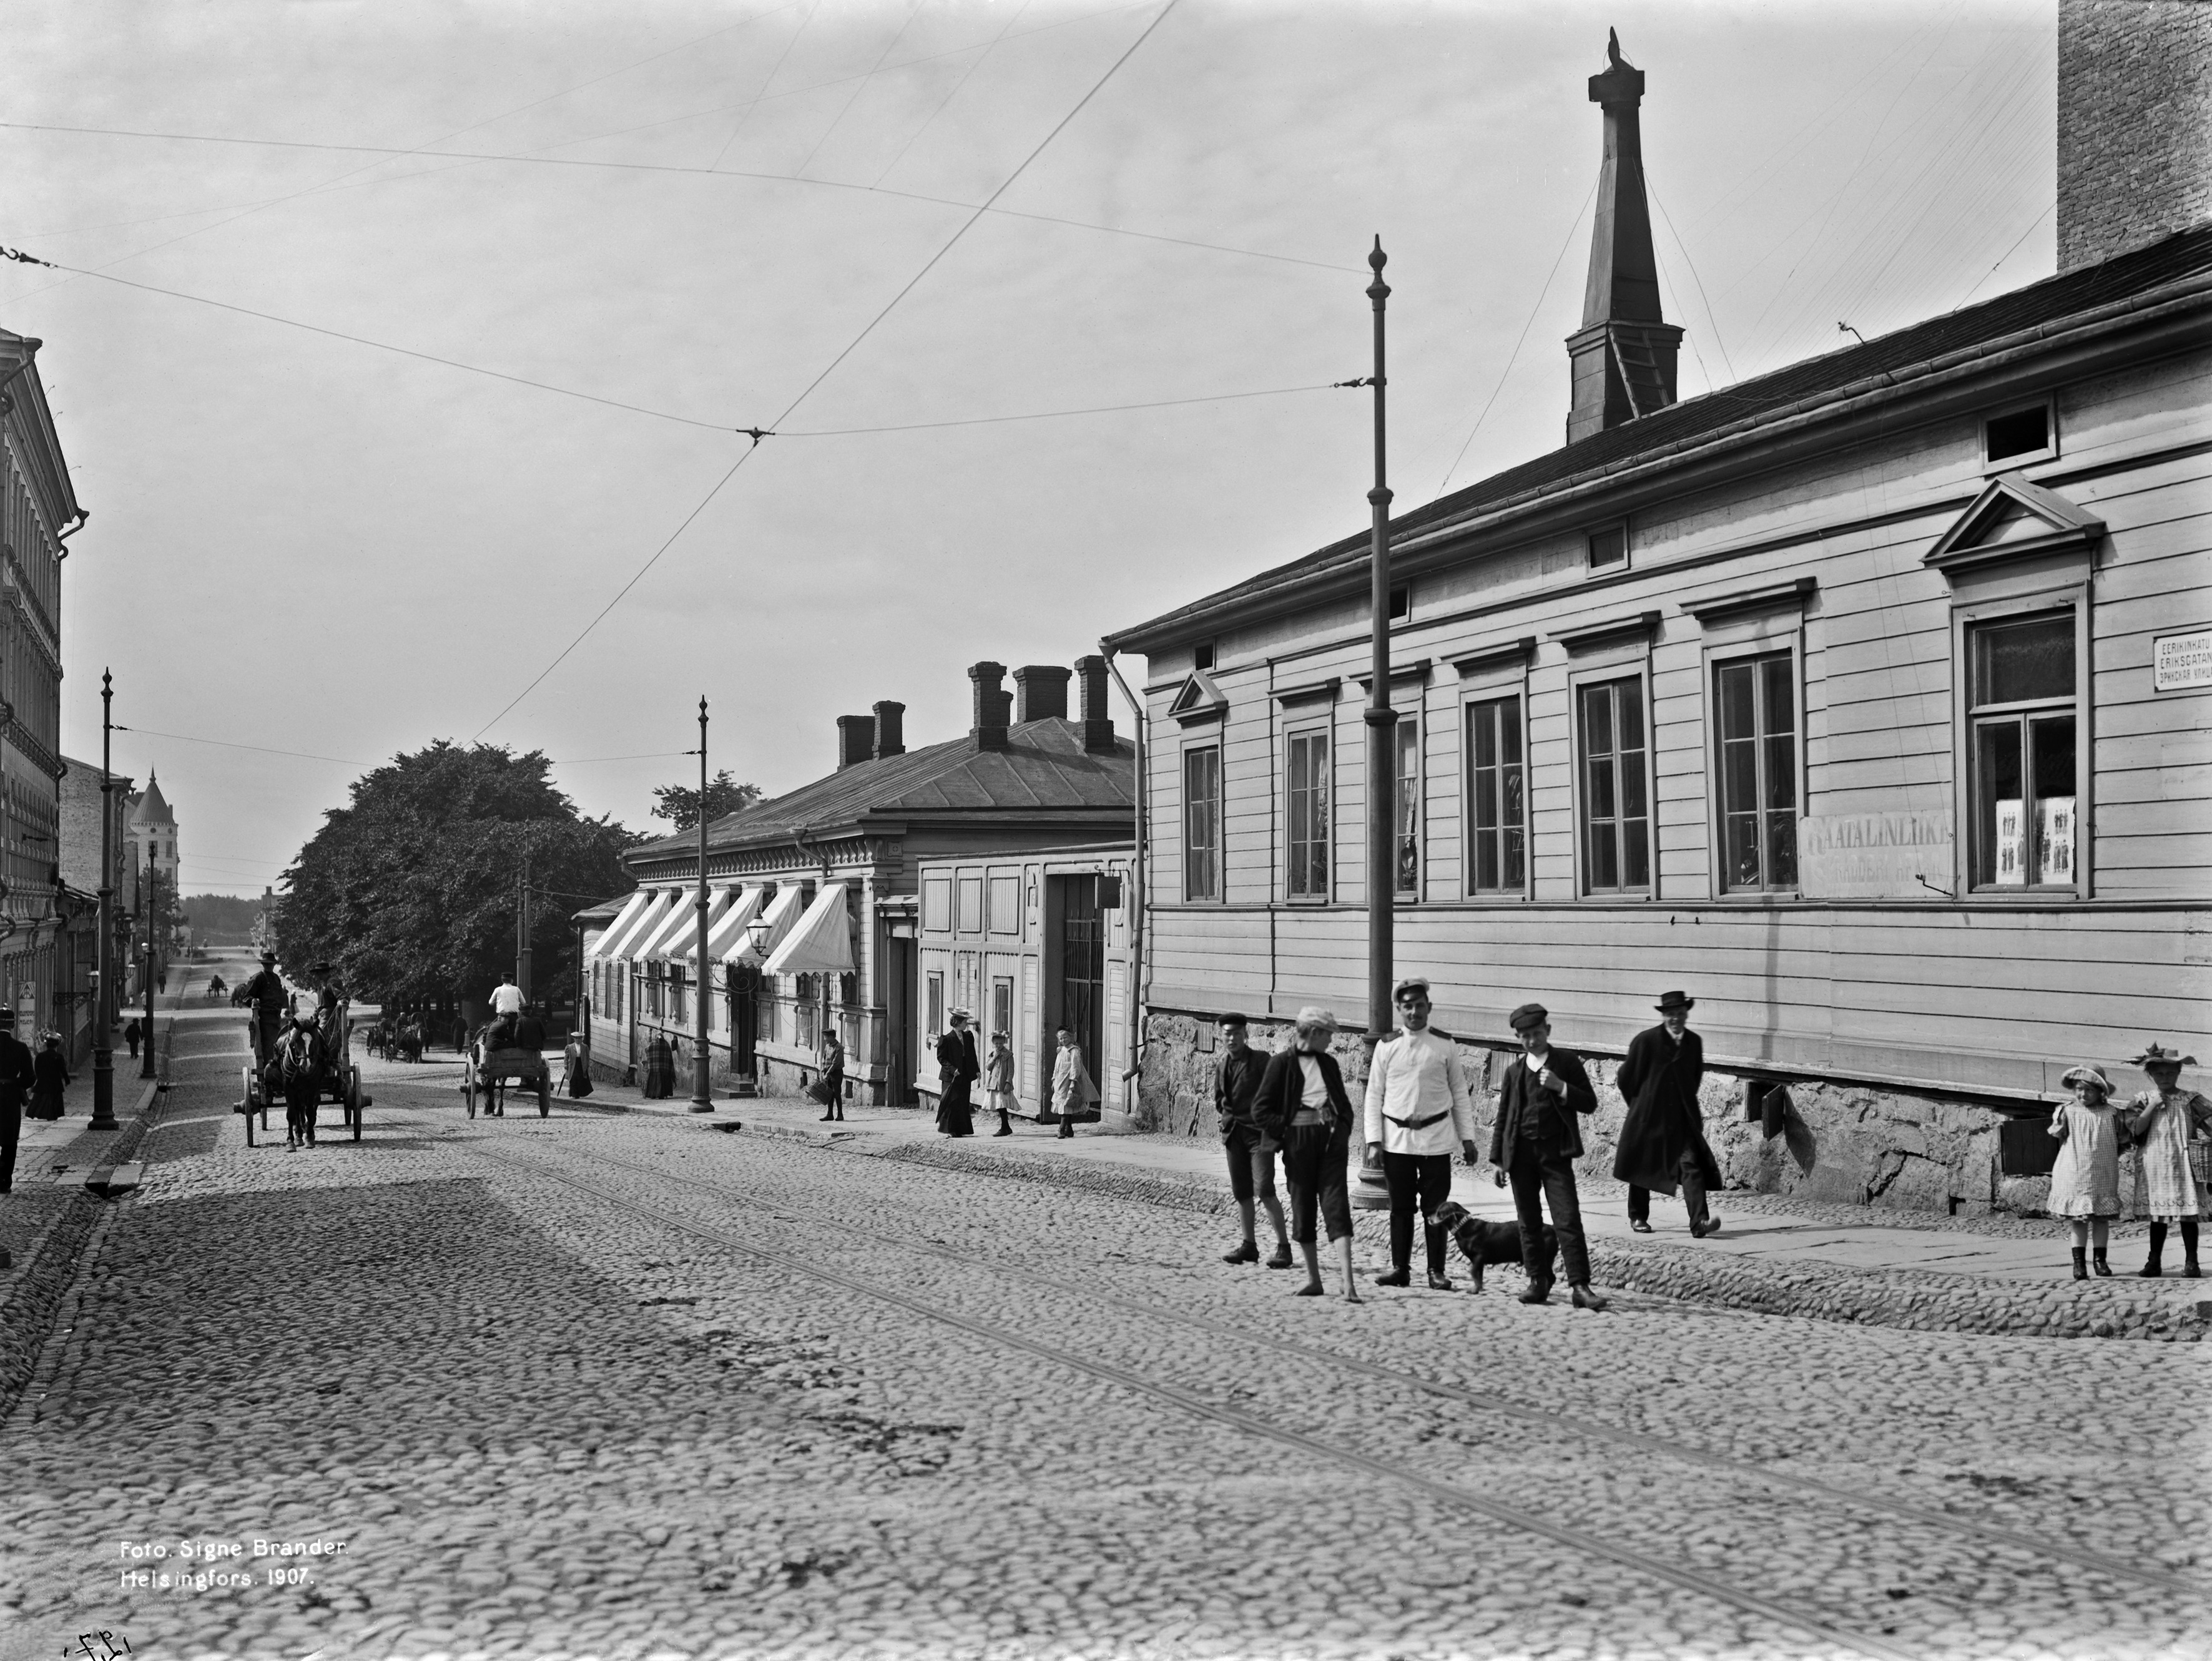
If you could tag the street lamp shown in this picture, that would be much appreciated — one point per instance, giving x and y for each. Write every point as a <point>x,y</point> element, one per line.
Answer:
<point>103,1020</point>
<point>702,1094</point>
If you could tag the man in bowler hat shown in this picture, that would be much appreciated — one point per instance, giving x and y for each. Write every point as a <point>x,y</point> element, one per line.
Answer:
<point>1663,1138</point>
<point>1533,1146</point>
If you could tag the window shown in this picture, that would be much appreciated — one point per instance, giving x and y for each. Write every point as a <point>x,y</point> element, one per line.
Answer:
<point>1608,546</point>
<point>1202,655</point>
<point>1401,601</point>
<point>1407,746</point>
<point>1757,736</point>
<point>1201,824</point>
<point>2021,720</point>
<point>1498,812</point>
<point>2019,435</point>
<point>1309,816</point>
<point>936,1003</point>
<point>1002,1006</point>
<point>1005,903</point>
<point>678,1011</point>
<point>971,905</point>
<point>1616,807</point>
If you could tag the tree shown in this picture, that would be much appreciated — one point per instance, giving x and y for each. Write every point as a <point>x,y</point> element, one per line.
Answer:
<point>410,892</point>
<point>725,796</point>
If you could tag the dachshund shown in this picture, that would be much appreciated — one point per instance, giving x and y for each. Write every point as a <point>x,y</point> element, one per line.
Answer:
<point>1483,1243</point>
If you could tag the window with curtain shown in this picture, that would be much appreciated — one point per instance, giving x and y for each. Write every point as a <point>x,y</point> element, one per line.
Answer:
<point>1308,831</point>
<point>1498,806</point>
<point>1201,824</point>
<point>1616,797</point>
<point>1407,749</point>
<point>1756,738</point>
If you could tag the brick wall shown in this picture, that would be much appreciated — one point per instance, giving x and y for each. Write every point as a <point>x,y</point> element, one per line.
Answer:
<point>2134,124</point>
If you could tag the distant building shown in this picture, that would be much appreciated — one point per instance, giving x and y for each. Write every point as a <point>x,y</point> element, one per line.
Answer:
<point>79,892</point>
<point>986,855</point>
<point>38,510</point>
<point>149,830</point>
<point>1868,701</point>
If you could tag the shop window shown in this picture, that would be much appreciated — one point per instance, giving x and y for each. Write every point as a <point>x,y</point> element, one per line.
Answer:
<point>1201,824</point>
<point>678,1003</point>
<point>2023,724</point>
<point>1307,837</point>
<point>1616,799</point>
<point>1756,740</point>
<point>1497,810</point>
<point>1002,1005</point>
<point>1407,745</point>
<point>935,1002</point>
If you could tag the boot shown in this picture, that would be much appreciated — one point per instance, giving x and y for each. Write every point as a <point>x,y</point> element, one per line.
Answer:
<point>2151,1269</point>
<point>2189,1249</point>
<point>2082,1264</point>
<point>2097,1260</point>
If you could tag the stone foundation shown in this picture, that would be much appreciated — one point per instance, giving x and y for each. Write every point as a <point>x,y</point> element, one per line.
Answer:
<point>1869,1145</point>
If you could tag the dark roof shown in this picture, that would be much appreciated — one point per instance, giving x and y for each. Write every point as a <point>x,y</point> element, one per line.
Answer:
<point>1043,768</point>
<point>1829,377</point>
<point>605,912</point>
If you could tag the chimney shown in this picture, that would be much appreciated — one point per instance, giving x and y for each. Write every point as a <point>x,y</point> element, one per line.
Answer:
<point>855,733</point>
<point>1040,693</point>
<point>991,701</point>
<point>2134,162</point>
<point>891,728</point>
<point>1623,356</point>
<point>1091,694</point>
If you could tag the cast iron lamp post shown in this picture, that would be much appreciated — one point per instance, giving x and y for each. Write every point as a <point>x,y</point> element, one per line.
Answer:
<point>702,1096</point>
<point>103,1018</point>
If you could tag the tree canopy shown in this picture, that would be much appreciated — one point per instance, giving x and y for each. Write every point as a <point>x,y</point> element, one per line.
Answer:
<point>725,796</point>
<point>410,892</point>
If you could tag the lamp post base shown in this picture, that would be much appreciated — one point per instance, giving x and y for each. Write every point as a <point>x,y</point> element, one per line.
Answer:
<point>103,1090</point>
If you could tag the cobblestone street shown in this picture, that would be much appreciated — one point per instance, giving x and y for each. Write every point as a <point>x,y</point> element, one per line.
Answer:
<point>619,1385</point>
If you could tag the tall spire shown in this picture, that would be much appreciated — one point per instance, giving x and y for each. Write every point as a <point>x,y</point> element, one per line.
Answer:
<point>1623,356</point>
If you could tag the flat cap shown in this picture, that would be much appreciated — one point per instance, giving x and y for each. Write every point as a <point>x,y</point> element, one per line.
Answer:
<point>1528,1014</point>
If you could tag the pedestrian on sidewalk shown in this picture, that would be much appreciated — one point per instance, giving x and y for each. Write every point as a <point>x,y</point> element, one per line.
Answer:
<point>1073,1092</point>
<point>1663,1138</point>
<point>2085,1178</point>
<point>130,1037</point>
<point>17,1074</point>
<point>50,1078</point>
<point>1417,1109</point>
<point>659,1069</point>
<point>1303,1109</point>
<point>829,1089</point>
<point>1251,1152</point>
<point>1533,1146</point>
<point>956,1073</point>
<point>575,1068</point>
<point>2169,1125</point>
<point>999,1083</point>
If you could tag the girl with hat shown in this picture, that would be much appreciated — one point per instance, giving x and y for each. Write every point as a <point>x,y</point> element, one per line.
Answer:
<point>2170,1123</point>
<point>2085,1181</point>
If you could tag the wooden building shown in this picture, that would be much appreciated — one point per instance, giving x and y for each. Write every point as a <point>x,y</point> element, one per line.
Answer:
<point>1866,700</point>
<point>1026,783</point>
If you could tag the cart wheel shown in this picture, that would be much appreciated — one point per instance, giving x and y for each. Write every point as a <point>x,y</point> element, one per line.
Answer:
<point>355,1101</point>
<point>545,1098</point>
<point>246,1102</point>
<point>469,1089</point>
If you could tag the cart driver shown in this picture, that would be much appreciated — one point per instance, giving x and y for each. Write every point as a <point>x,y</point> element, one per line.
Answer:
<point>264,993</point>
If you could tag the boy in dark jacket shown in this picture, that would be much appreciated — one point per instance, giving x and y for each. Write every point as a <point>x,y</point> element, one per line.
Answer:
<point>1301,1107</point>
<point>1537,1140</point>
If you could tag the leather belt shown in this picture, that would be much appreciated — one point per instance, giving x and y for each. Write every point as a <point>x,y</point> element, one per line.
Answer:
<point>1418,1124</point>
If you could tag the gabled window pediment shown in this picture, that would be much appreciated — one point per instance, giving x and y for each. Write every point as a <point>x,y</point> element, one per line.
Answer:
<point>1198,700</point>
<point>2010,519</point>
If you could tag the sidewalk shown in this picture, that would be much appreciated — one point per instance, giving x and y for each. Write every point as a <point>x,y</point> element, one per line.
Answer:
<point>1771,1256</point>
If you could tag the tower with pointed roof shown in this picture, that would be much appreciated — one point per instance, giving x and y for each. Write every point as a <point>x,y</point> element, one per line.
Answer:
<point>150,831</point>
<point>1623,355</point>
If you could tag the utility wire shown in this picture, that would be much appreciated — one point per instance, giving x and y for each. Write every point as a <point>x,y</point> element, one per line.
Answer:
<point>930,121</point>
<point>2008,254</point>
<point>808,391</point>
<point>1711,322</point>
<point>186,738</point>
<point>1047,414</point>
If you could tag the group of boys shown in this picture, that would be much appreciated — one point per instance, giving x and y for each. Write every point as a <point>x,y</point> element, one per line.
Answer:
<point>1419,1111</point>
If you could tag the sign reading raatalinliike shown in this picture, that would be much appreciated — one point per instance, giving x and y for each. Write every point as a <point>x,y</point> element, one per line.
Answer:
<point>2179,661</point>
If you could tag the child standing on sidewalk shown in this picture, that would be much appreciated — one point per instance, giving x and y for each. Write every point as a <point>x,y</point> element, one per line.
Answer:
<point>2169,1182</point>
<point>2085,1182</point>
<point>999,1083</point>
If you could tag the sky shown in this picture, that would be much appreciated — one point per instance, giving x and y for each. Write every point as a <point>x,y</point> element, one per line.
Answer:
<point>577,247</point>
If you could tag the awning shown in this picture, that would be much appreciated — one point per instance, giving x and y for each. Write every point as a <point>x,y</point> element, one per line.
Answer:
<point>626,933</point>
<point>633,908</point>
<point>822,943</point>
<point>783,911</point>
<point>682,940</point>
<point>728,934</point>
<point>646,948</point>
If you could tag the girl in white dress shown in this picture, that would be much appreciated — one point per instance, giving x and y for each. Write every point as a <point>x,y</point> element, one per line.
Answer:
<point>2085,1181</point>
<point>2166,1119</point>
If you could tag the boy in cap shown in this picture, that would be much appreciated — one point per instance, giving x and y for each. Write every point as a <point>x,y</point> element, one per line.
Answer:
<point>1533,1146</point>
<point>1251,1153</point>
<point>1417,1109</point>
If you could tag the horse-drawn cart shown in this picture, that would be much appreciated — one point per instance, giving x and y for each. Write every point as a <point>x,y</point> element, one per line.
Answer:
<point>340,1082</point>
<point>488,1071</point>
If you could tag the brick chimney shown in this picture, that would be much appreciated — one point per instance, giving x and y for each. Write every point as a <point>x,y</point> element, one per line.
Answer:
<point>1040,693</point>
<point>992,703</point>
<point>891,728</point>
<point>1623,356</point>
<point>2134,108</point>
<point>1090,698</point>
<point>856,735</point>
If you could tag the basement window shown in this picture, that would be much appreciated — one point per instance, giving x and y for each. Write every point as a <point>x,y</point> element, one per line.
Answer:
<point>2020,436</point>
<point>1608,546</point>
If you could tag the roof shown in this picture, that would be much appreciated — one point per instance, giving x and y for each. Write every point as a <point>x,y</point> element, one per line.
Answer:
<point>1831,378</point>
<point>1043,768</point>
<point>604,913</point>
<point>150,807</point>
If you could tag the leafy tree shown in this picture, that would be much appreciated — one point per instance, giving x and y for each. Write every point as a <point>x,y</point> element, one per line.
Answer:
<point>725,796</point>
<point>410,892</point>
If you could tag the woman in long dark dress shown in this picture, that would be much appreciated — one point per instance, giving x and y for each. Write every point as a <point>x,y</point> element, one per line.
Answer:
<point>659,1069</point>
<point>50,1077</point>
<point>957,1072</point>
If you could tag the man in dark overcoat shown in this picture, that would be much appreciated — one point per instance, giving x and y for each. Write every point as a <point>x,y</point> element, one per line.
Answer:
<point>1663,1139</point>
<point>1533,1146</point>
<point>16,1076</point>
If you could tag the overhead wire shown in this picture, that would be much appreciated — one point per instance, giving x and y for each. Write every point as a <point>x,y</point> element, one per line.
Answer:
<point>914,10</point>
<point>930,121</point>
<point>852,346</point>
<point>775,70</point>
<point>1711,322</point>
<point>2050,210</point>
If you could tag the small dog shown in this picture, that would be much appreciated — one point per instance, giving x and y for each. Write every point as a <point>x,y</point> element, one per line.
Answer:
<point>1486,1243</point>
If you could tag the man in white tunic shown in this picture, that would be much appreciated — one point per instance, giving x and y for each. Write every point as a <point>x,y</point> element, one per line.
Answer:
<point>1417,1109</point>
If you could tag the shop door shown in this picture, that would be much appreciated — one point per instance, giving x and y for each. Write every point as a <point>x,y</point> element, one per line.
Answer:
<point>1080,955</point>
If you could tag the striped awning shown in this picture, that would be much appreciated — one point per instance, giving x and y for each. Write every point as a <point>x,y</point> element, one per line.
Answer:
<point>821,943</point>
<point>682,941</point>
<point>727,934</point>
<point>783,911</point>
<point>622,939</point>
